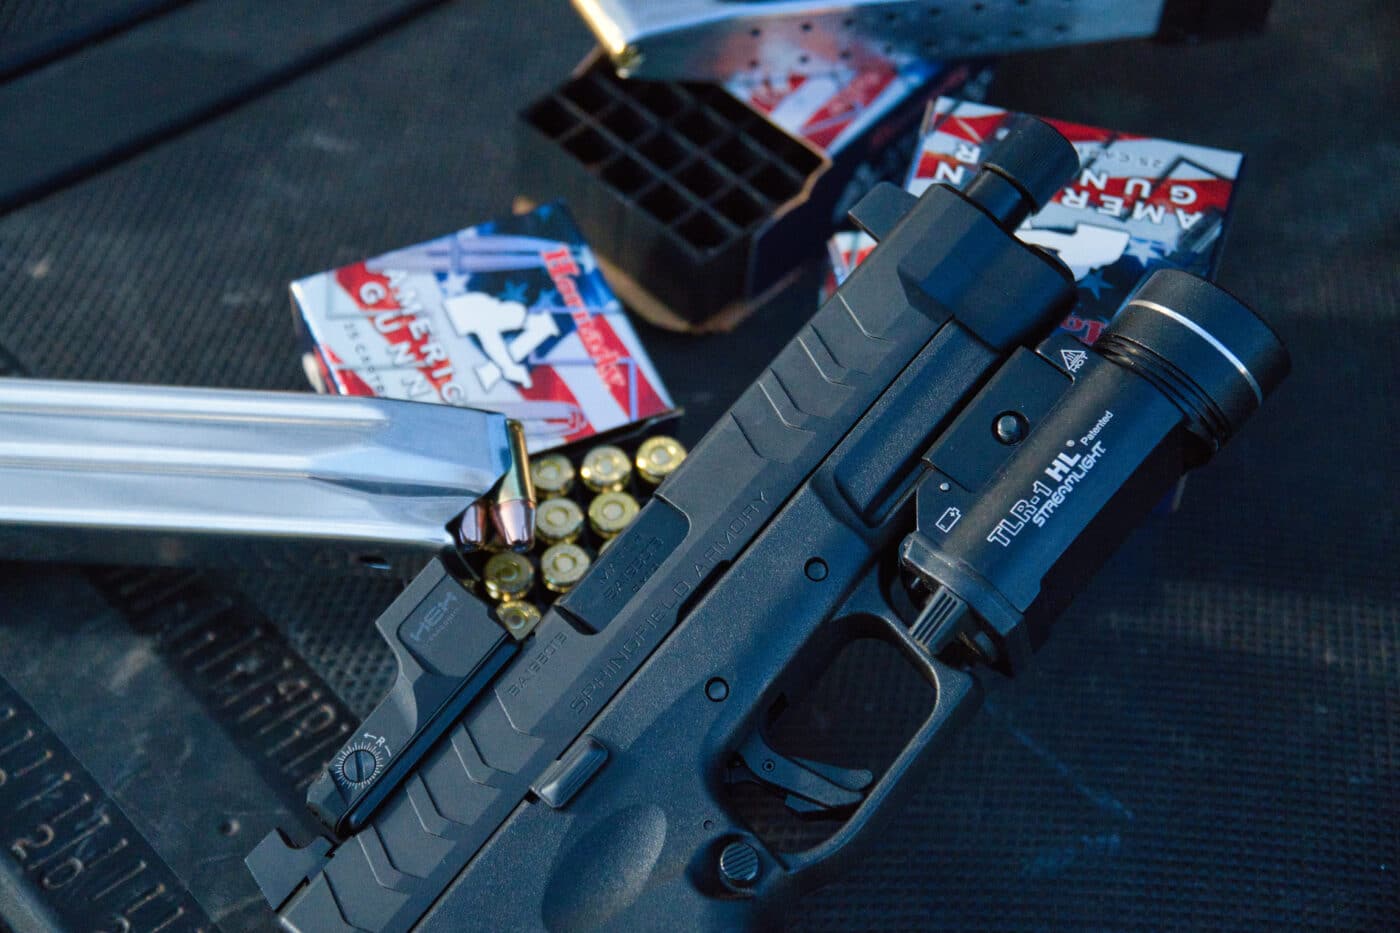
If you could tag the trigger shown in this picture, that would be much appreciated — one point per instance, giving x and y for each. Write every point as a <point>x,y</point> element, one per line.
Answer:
<point>809,788</point>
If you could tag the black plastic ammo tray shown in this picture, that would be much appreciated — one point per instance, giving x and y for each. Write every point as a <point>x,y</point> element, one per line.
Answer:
<point>673,176</point>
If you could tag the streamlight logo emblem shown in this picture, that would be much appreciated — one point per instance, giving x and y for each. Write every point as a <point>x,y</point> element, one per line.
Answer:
<point>1067,470</point>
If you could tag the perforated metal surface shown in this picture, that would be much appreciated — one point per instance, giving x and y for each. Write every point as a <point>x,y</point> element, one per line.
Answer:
<point>1211,738</point>
<point>715,39</point>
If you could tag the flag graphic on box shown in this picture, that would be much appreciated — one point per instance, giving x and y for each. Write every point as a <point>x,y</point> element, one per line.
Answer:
<point>511,316</point>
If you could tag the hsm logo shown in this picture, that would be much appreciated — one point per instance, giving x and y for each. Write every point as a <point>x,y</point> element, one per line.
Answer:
<point>433,619</point>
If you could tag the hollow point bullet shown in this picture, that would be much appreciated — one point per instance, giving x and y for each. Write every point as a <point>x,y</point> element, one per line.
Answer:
<point>513,509</point>
<point>606,469</point>
<point>558,521</point>
<point>562,566</point>
<point>553,475</point>
<point>658,458</point>
<point>474,529</point>
<point>610,512</point>
<point>508,576</point>
<point>519,618</point>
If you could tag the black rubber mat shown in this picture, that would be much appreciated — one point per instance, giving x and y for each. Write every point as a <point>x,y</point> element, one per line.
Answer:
<point>69,809</point>
<point>1212,737</point>
<point>113,98</point>
<point>33,32</point>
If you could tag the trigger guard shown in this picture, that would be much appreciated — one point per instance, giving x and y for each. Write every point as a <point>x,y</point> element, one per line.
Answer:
<point>957,695</point>
<point>883,598</point>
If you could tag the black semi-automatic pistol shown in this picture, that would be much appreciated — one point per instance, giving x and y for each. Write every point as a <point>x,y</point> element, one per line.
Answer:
<point>925,464</point>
